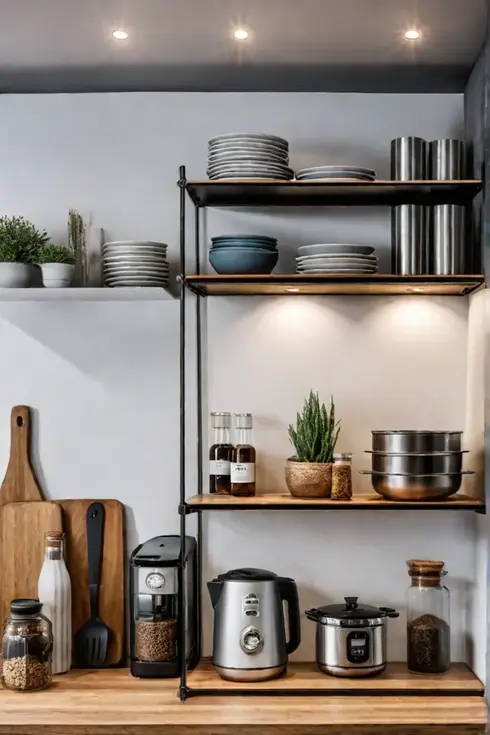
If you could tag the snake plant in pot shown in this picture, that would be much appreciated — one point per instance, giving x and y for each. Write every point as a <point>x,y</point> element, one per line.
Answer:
<point>309,472</point>
<point>20,243</point>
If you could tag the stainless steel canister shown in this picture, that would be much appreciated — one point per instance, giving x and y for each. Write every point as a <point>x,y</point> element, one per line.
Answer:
<point>408,159</point>
<point>446,159</point>
<point>409,231</point>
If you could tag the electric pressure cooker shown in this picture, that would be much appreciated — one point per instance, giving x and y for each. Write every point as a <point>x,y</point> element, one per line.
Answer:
<point>351,638</point>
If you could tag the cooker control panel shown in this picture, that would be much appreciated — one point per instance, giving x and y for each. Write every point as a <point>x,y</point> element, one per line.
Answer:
<point>358,647</point>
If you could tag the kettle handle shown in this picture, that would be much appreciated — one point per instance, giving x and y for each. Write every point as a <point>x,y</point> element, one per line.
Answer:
<point>289,592</point>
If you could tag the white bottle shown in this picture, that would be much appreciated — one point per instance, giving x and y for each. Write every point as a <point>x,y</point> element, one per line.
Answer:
<point>54,591</point>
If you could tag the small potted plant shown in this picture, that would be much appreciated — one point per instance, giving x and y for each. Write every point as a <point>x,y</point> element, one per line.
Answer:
<point>57,265</point>
<point>20,243</point>
<point>309,472</point>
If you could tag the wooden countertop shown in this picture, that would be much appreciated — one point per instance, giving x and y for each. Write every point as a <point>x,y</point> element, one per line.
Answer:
<point>112,702</point>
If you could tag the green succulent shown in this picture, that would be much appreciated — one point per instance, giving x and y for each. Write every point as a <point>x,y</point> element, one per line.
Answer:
<point>20,240</point>
<point>56,254</point>
<point>316,432</point>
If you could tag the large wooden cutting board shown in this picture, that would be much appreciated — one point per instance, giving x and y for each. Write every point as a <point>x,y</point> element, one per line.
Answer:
<point>112,589</point>
<point>19,483</point>
<point>22,530</point>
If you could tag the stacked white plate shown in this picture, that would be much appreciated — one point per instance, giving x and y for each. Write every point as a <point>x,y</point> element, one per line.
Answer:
<point>248,156</point>
<point>340,173</point>
<point>336,258</point>
<point>135,263</point>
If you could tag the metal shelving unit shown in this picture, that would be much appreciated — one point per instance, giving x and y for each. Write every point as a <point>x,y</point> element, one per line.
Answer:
<point>247,194</point>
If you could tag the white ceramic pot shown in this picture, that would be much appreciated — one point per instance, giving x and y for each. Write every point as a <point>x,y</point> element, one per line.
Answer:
<point>15,275</point>
<point>57,275</point>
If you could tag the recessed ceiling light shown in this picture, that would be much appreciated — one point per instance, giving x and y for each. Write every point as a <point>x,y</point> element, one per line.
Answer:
<point>120,34</point>
<point>412,35</point>
<point>415,289</point>
<point>241,34</point>
<point>292,290</point>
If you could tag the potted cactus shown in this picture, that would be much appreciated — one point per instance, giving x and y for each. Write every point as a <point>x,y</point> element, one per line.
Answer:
<point>20,243</point>
<point>309,472</point>
<point>57,265</point>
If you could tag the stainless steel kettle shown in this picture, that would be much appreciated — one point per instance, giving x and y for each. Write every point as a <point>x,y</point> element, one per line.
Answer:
<point>249,641</point>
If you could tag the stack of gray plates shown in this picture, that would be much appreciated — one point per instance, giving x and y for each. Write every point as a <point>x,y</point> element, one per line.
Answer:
<point>135,263</point>
<point>336,258</point>
<point>248,156</point>
<point>340,173</point>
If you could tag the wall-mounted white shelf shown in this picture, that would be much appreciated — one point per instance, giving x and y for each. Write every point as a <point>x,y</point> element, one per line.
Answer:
<point>86,294</point>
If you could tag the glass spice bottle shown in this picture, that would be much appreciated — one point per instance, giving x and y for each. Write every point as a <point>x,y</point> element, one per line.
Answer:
<point>243,458</point>
<point>342,477</point>
<point>428,628</point>
<point>220,454</point>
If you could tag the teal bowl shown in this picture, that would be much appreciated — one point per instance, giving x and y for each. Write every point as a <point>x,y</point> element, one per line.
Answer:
<point>261,244</point>
<point>236,261</point>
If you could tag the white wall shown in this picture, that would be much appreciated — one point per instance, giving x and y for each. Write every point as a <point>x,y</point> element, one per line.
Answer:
<point>104,378</point>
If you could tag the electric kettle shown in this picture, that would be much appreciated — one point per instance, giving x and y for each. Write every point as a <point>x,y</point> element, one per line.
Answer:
<point>249,641</point>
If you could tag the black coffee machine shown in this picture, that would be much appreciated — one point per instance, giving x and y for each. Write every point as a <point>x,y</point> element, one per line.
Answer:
<point>155,616</point>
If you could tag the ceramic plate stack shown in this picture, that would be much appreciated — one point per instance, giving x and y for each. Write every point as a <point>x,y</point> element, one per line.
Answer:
<point>336,258</point>
<point>135,263</point>
<point>248,156</point>
<point>338,173</point>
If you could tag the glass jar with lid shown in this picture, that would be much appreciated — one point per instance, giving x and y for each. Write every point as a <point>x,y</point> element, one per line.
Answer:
<point>342,477</point>
<point>428,624</point>
<point>26,647</point>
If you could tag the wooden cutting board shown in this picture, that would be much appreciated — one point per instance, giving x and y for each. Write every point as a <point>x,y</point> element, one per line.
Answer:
<point>22,530</point>
<point>19,483</point>
<point>112,589</point>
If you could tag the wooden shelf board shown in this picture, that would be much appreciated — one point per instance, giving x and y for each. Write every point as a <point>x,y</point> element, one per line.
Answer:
<point>86,294</point>
<point>112,702</point>
<point>266,193</point>
<point>340,284</point>
<point>396,679</point>
<point>358,502</point>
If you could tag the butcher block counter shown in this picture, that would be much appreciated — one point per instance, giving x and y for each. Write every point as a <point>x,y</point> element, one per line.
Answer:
<point>112,702</point>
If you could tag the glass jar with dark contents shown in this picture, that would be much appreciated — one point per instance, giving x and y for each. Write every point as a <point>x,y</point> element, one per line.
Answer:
<point>27,646</point>
<point>428,630</point>
<point>220,454</point>
<point>243,458</point>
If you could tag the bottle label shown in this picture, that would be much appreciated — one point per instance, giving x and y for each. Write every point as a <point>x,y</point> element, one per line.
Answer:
<point>243,472</point>
<point>219,467</point>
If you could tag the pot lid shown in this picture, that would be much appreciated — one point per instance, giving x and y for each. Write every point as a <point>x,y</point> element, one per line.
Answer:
<point>246,575</point>
<point>351,610</point>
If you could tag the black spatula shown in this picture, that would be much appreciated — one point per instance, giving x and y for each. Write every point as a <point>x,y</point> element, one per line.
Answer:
<point>92,639</point>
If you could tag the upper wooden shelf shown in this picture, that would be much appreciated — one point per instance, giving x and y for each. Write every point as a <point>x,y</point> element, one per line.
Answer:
<point>134,293</point>
<point>395,680</point>
<point>358,502</point>
<point>340,284</point>
<point>266,193</point>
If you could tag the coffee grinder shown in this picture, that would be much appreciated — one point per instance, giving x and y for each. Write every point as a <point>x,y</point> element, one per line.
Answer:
<point>155,616</point>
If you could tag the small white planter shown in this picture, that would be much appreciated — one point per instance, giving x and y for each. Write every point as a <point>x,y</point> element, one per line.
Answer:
<point>15,275</point>
<point>57,275</point>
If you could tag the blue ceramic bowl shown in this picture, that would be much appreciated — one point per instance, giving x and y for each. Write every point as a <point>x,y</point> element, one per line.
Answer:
<point>229,261</point>
<point>262,244</point>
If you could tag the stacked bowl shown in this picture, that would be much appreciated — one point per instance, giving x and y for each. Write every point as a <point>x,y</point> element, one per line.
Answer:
<point>135,263</point>
<point>248,156</point>
<point>335,173</point>
<point>243,254</point>
<point>416,465</point>
<point>336,258</point>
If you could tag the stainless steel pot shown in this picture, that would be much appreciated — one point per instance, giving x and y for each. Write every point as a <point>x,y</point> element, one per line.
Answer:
<point>416,487</point>
<point>429,463</point>
<point>351,638</point>
<point>401,441</point>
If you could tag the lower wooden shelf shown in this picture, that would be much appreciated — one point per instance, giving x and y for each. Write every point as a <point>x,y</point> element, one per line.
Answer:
<point>279,501</point>
<point>396,679</point>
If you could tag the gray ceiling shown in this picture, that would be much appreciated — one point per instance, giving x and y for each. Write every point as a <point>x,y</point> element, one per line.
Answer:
<point>321,45</point>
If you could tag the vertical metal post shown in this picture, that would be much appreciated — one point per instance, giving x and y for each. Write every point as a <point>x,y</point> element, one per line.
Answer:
<point>182,509</point>
<point>199,428</point>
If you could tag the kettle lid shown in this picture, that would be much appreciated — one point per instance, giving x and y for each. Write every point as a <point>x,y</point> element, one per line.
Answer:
<point>246,575</point>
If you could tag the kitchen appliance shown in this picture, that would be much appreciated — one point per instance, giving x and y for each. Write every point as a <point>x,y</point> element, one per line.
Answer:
<point>249,641</point>
<point>351,638</point>
<point>155,616</point>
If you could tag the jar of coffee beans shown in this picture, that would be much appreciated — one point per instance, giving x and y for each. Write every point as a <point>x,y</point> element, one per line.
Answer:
<point>27,646</point>
<point>428,631</point>
<point>156,640</point>
<point>342,477</point>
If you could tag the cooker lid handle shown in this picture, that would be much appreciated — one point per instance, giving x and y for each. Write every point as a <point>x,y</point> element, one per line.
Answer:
<point>313,614</point>
<point>351,603</point>
<point>390,612</point>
